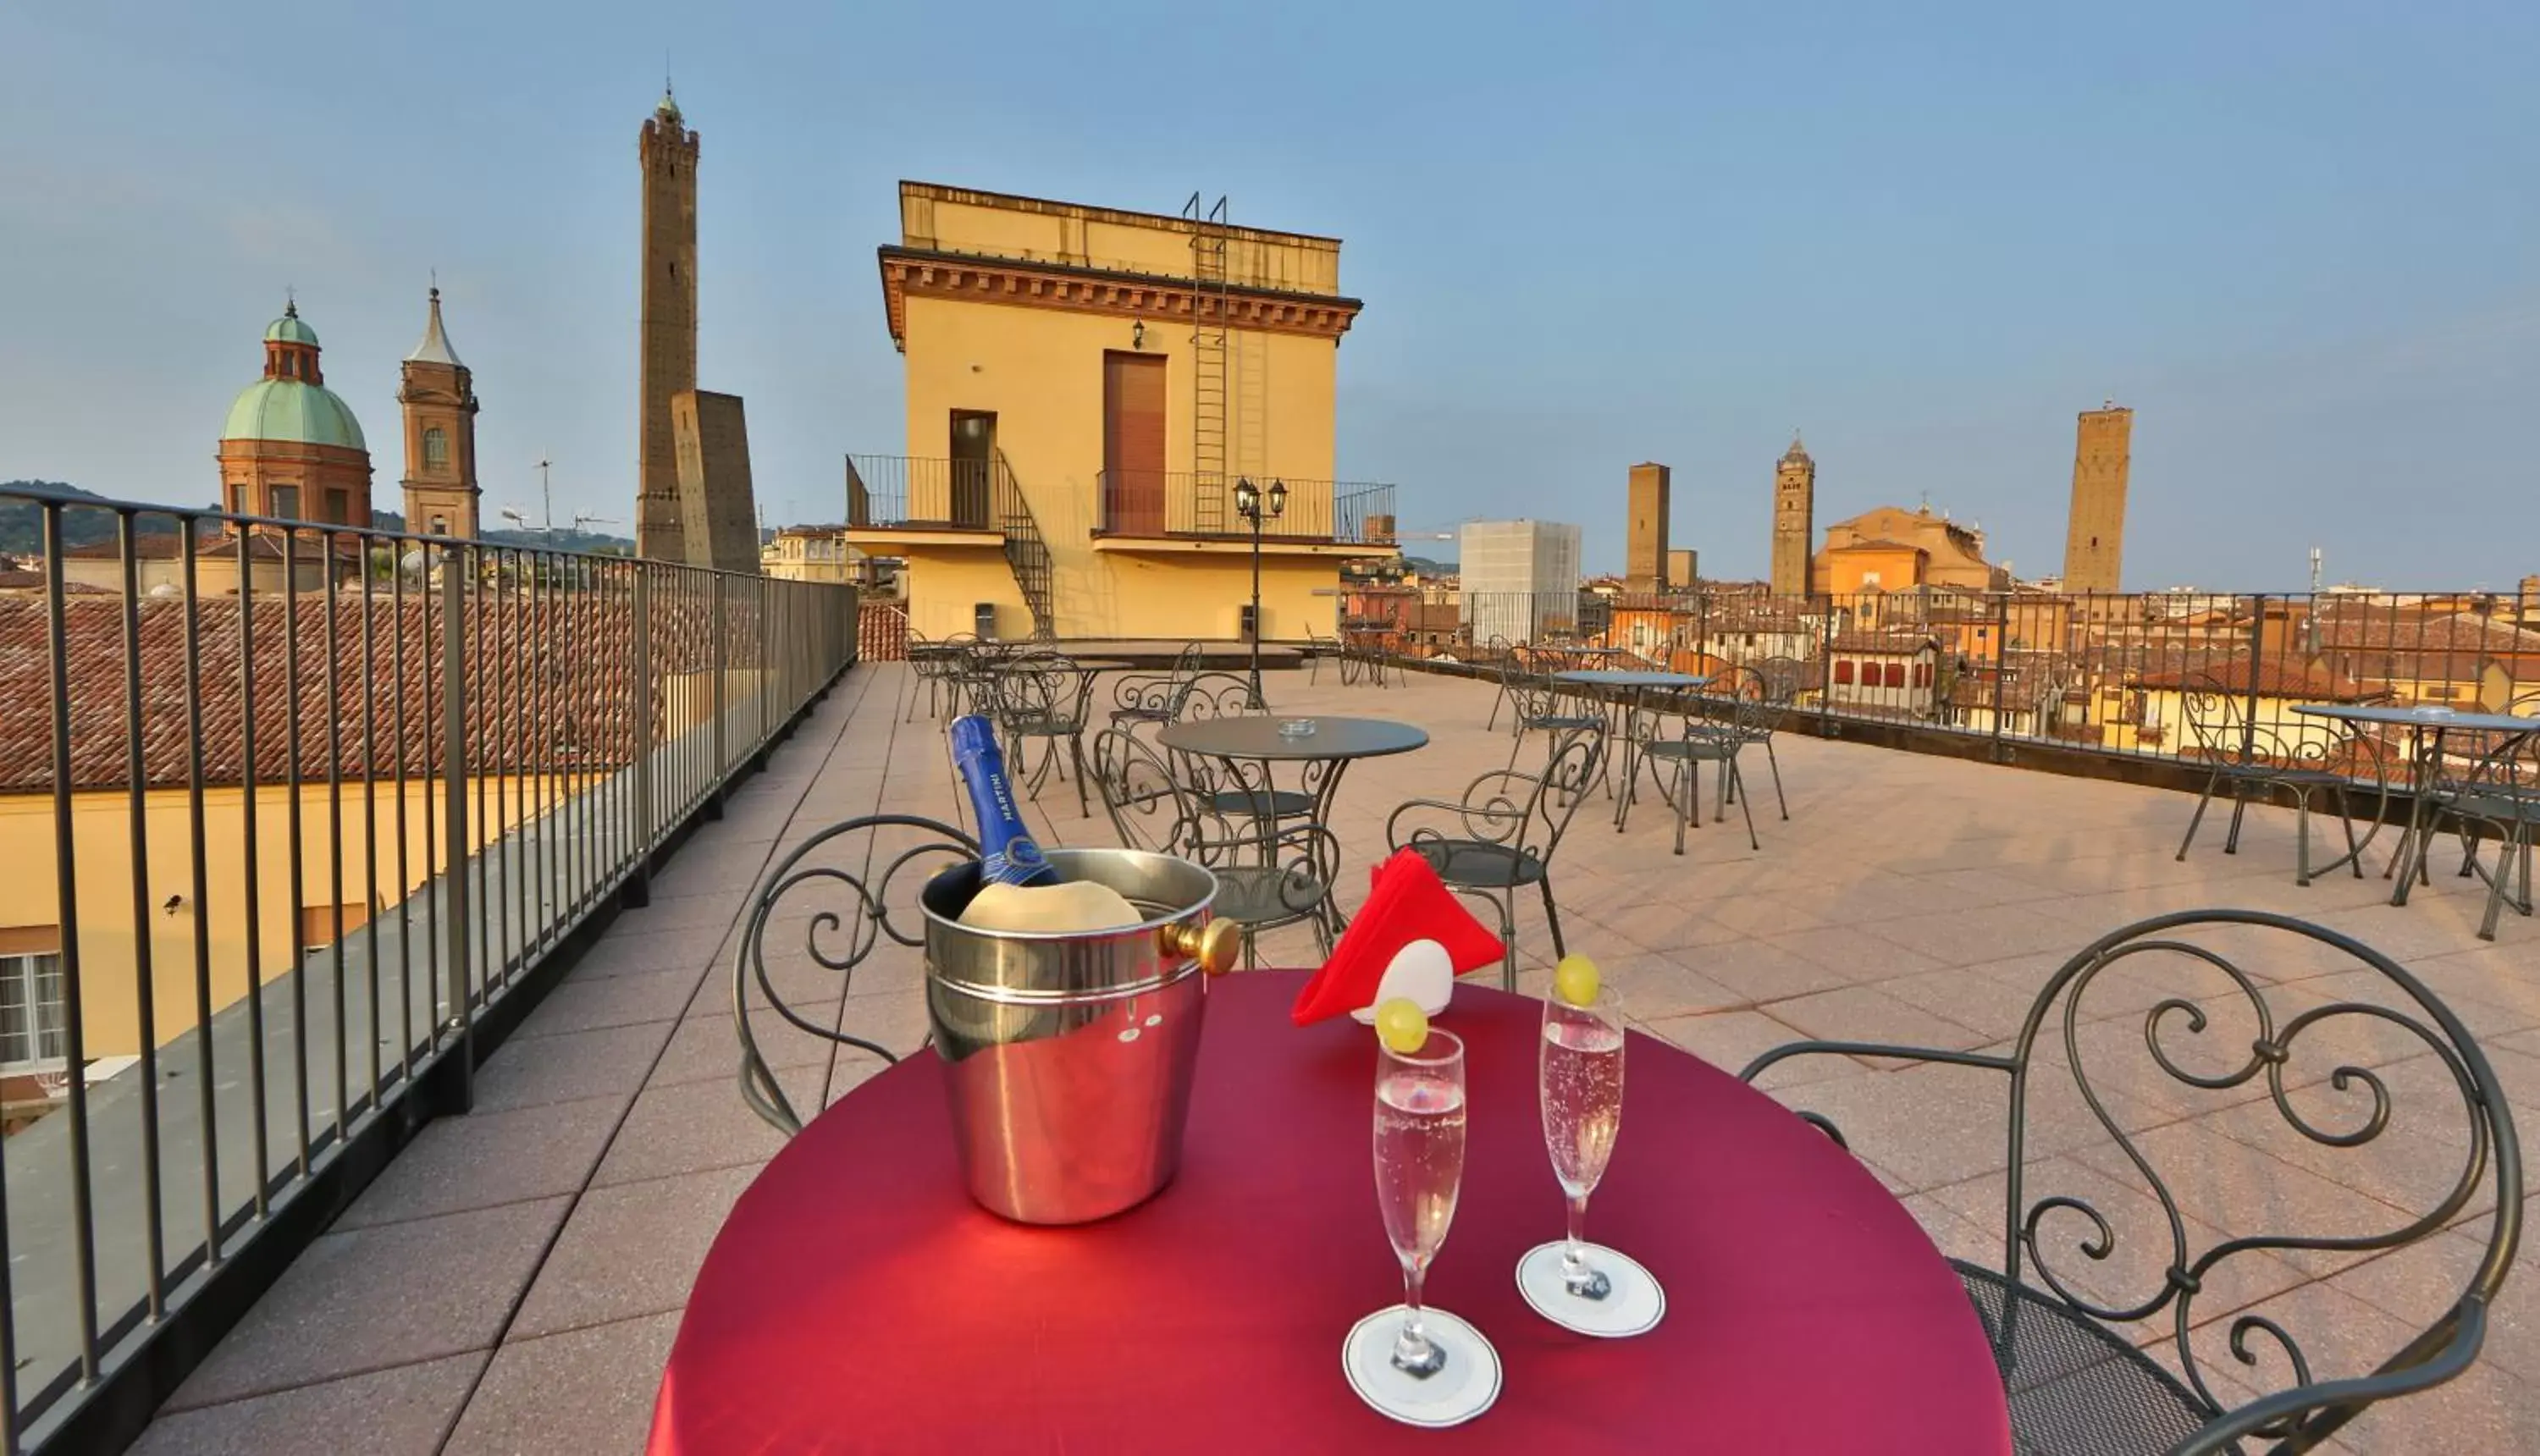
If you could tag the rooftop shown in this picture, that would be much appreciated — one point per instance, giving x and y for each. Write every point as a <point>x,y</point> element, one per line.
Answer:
<point>536,1254</point>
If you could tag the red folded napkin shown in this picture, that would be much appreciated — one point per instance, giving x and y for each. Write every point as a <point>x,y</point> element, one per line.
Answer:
<point>1405,902</point>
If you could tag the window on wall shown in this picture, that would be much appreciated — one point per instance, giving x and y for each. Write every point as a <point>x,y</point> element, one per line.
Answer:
<point>440,526</point>
<point>1922,675</point>
<point>1895,674</point>
<point>34,1022</point>
<point>1843,671</point>
<point>436,449</point>
<point>283,501</point>
<point>338,507</point>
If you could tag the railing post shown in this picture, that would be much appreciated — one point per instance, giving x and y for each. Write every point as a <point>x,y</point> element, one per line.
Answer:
<point>713,801</point>
<point>2000,668</point>
<point>639,882</point>
<point>2257,650</point>
<point>1825,675</point>
<point>453,796</point>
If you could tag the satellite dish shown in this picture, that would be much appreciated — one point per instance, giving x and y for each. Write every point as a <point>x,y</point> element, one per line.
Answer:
<point>164,589</point>
<point>412,565</point>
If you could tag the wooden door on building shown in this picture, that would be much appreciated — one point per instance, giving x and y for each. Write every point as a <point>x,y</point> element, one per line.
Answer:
<point>975,459</point>
<point>1133,443</point>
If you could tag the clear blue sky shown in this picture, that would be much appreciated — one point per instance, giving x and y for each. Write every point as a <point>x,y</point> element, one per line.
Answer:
<point>2299,240</point>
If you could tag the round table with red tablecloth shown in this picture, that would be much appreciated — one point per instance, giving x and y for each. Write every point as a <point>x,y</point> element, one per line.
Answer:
<point>858,1301</point>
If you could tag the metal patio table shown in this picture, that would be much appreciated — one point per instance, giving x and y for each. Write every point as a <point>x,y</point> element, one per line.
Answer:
<point>856,1299</point>
<point>2427,726</point>
<point>1638,685</point>
<point>1246,746</point>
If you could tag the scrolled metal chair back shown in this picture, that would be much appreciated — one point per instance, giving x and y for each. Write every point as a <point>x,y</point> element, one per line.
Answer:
<point>2278,1054</point>
<point>1529,813</point>
<point>2215,716</point>
<point>1149,808</point>
<point>855,913</point>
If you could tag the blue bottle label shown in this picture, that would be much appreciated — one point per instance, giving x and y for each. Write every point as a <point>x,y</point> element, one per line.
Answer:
<point>1008,855</point>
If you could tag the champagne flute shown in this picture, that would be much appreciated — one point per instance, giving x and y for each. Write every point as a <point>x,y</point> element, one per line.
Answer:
<point>1420,1366</point>
<point>1574,1283</point>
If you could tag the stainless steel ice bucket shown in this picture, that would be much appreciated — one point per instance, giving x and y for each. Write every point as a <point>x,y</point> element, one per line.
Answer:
<point>1069,1057</point>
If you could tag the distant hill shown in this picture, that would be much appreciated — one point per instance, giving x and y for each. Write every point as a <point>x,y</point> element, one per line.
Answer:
<point>594,542</point>
<point>21,522</point>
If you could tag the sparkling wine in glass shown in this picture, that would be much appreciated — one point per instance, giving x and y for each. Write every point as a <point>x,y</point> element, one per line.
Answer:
<point>1420,1366</point>
<point>1574,1283</point>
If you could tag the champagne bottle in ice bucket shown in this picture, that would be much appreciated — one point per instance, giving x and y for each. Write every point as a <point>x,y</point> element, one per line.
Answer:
<point>1019,888</point>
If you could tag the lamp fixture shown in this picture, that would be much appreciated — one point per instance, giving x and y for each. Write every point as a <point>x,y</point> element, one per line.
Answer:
<point>1247,499</point>
<point>1278,499</point>
<point>1138,334</point>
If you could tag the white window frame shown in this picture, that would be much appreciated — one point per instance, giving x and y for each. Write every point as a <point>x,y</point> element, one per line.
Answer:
<point>21,982</point>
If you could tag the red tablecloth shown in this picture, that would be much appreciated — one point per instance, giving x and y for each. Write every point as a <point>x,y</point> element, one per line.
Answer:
<point>857,1300</point>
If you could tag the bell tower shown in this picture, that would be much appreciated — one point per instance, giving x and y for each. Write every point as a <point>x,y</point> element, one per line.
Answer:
<point>1794,500</point>
<point>668,356</point>
<point>438,398</point>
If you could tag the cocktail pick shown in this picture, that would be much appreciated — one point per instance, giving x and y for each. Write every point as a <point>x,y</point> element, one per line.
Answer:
<point>1406,902</point>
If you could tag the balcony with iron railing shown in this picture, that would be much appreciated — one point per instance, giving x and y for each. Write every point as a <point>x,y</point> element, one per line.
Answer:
<point>911,496</point>
<point>1200,506</point>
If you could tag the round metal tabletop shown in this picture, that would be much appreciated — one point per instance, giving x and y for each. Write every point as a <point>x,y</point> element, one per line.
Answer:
<point>1258,737</point>
<point>1629,678</point>
<point>2427,716</point>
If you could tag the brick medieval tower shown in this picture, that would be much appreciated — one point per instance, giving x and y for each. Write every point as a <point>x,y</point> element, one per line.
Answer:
<point>439,400</point>
<point>1795,503</point>
<point>669,364</point>
<point>2095,536</point>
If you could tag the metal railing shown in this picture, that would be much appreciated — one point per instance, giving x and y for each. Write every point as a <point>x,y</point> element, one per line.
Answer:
<point>1201,503</point>
<point>2168,675</point>
<point>317,807</point>
<point>932,494</point>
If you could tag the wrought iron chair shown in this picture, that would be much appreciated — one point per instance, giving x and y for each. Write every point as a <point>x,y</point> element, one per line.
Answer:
<point>2250,759</point>
<point>1148,697</point>
<point>1711,731</point>
<point>1043,697</point>
<point>2075,1385</point>
<point>1269,873</point>
<point>1363,656</point>
<point>1541,703</point>
<point>1770,689</point>
<point>935,663</point>
<point>2498,793</point>
<point>1496,654</point>
<point>1501,835</point>
<point>845,928</point>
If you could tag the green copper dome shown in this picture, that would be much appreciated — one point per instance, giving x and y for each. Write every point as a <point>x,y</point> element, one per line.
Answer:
<point>289,409</point>
<point>288,329</point>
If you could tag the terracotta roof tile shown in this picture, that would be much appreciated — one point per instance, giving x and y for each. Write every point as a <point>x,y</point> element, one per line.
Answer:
<point>519,647</point>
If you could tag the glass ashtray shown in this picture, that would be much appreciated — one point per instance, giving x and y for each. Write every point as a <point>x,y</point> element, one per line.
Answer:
<point>1297,728</point>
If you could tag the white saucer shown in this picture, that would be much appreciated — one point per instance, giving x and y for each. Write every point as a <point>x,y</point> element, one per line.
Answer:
<point>1634,1307</point>
<point>1454,1395</point>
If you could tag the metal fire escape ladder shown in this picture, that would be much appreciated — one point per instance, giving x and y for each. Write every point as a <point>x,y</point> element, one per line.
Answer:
<point>1026,552</point>
<point>1209,316</point>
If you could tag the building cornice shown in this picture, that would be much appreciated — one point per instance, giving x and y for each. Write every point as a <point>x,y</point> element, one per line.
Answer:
<point>923,273</point>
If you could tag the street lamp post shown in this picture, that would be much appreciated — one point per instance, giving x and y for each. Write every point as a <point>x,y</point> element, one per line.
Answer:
<point>1248,504</point>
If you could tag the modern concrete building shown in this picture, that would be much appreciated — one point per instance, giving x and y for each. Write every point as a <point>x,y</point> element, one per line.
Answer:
<point>2095,537</point>
<point>1521,579</point>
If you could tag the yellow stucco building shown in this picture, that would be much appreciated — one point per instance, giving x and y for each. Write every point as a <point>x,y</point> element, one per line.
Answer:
<point>1085,386</point>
